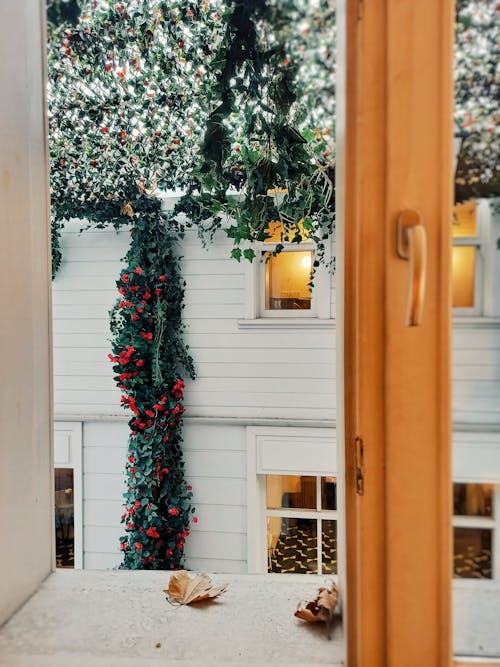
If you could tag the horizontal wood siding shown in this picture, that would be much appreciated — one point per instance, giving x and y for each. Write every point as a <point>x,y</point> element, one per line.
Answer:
<point>476,373</point>
<point>215,458</point>
<point>287,374</point>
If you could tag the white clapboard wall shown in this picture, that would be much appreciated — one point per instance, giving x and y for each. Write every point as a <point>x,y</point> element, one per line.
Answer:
<point>245,376</point>
<point>243,373</point>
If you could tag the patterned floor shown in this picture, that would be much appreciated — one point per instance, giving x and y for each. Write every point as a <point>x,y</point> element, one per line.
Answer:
<point>64,553</point>
<point>296,551</point>
<point>472,564</point>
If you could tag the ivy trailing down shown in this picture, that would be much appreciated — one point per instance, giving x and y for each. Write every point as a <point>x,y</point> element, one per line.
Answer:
<point>149,358</point>
<point>267,152</point>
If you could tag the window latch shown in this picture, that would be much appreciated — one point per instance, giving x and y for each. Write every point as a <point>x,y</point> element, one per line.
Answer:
<point>411,245</point>
<point>360,480</point>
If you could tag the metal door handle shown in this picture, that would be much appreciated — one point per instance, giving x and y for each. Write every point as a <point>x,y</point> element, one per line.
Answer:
<point>412,246</point>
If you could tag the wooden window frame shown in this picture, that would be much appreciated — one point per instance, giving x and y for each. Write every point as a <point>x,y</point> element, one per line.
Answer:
<point>396,155</point>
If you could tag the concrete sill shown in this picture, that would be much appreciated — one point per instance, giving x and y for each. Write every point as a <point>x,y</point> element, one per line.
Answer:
<point>116,619</point>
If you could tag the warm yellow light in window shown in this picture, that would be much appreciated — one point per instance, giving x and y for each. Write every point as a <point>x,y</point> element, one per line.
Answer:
<point>462,271</point>
<point>287,279</point>
<point>464,221</point>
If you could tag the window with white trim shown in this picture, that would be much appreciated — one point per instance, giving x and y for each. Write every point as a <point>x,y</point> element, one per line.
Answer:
<point>286,284</point>
<point>476,528</point>
<point>301,519</point>
<point>467,266</point>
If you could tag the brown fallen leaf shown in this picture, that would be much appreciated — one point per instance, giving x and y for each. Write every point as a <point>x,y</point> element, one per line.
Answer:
<point>320,610</point>
<point>127,209</point>
<point>183,589</point>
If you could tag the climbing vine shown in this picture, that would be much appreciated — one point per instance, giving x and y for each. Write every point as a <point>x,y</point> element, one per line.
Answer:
<point>149,357</point>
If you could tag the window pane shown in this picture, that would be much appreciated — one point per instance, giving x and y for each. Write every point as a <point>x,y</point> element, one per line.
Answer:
<point>464,220</point>
<point>473,499</point>
<point>292,545</point>
<point>64,517</point>
<point>328,493</point>
<point>472,553</point>
<point>291,491</point>
<point>463,268</point>
<point>329,546</point>
<point>287,280</point>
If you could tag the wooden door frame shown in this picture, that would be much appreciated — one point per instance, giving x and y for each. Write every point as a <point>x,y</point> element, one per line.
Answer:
<point>398,155</point>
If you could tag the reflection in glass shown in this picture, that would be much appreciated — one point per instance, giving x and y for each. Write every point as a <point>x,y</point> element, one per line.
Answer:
<point>464,222</point>
<point>329,546</point>
<point>328,493</point>
<point>463,268</point>
<point>473,499</point>
<point>472,553</point>
<point>64,517</point>
<point>287,277</point>
<point>294,491</point>
<point>292,545</point>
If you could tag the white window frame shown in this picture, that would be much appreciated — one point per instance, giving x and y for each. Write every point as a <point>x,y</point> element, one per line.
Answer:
<point>281,450</point>
<point>297,513</point>
<point>490,523</point>
<point>478,243</point>
<point>264,248</point>
<point>255,315</point>
<point>68,454</point>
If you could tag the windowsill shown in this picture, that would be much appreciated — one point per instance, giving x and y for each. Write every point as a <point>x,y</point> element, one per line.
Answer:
<point>280,323</point>
<point>475,322</point>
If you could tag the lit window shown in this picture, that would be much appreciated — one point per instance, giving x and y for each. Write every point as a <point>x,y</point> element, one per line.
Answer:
<point>465,258</point>
<point>285,278</point>
<point>473,530</point>
<point>301,513</point>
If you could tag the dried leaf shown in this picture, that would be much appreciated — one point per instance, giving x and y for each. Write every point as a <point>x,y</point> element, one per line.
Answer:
<point>183,589</point>
<point>127,209</point>
<point>321,609</point>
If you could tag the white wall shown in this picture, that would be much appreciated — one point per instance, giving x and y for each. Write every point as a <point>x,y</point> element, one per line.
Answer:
<point>215,456</point>
<point>26,552</point>
<point>241,373</point>
<point>245,377</point>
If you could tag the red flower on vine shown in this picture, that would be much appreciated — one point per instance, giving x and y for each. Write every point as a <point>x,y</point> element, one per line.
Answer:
<point>162,278</point>
<point>146,336</point>
<point>173,511</point>
<point>138,546</point>
<point>152,532</point>
<point>138,270</point>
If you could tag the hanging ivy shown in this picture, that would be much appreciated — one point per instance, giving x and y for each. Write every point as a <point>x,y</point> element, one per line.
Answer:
<point>262,157</point>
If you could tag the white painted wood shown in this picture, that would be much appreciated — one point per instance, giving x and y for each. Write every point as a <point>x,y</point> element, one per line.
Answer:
<point>476,457</point>
<point>26,496</point>
<point>280,451</point>
<point>295,451</point>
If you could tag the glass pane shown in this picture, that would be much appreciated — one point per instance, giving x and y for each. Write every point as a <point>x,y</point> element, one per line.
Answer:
<point>328,493</point>
<point>292,545</point>
<point>329,546</point>
<point>287,280</point>
<point>464,220</point>
<point>64,517</point>
<point>472,553</point>
<point>291,491</point>
<point>463,268</point>
<point>473,499</point>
